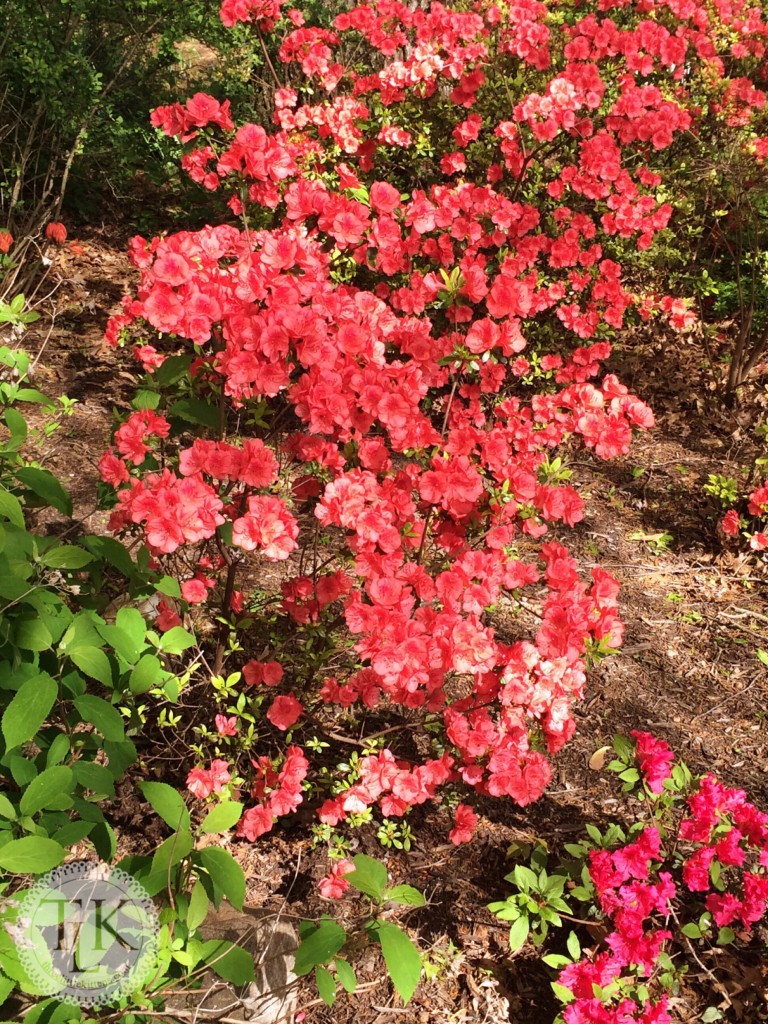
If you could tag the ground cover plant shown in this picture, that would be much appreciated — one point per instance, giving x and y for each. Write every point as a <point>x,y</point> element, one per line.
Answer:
<point>344,485</point>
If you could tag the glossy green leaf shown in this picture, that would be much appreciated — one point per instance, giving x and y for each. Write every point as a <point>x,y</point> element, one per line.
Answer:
<point>28,709</point>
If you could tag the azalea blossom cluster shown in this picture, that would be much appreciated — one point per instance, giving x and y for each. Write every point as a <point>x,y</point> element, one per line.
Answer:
<point>419,348</point>
<point>754,531</point>
<point>715,851</point>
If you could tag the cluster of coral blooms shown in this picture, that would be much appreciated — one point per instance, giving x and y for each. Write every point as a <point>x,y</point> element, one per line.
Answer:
<point>641,887</point>
<point>419,297</point>
<point>757,507</point>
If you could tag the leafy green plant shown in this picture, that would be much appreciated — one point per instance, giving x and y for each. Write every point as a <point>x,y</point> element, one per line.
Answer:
<point>724,488</point>
<point>537,904</point>
<point>323,941</point>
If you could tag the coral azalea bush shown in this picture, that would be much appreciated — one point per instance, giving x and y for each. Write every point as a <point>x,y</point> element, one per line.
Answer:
<point>371,378</point>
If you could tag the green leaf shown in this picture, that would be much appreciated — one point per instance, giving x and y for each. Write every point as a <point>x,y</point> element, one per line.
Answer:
<point>32,635</point>
<point>226,874</point>
<point>103,837</point>
<point>45,486</point>
<point>573,945</point>
<point>401,957</point>
<point>563,994</point>
<point>710,1015</point>
<point>198,906</point>
<point>345,974</point>
<point>369,876</point>
<point>692,930</point>
<point>167,802</point>
<point>169,853</point>
<point>326,985</point>
<point>176,640</point>
<point>7,810</point>
<point>51,1011</point>
<point>172,370</point>
<point>102,715</point>
<point>10,508</point>
<point>111,551</point>
<point>66,557</point>
<point>168,586</point>
<point>319,946</point>
<point>405,895</point>
<point>147,673</point>
<point>230,962</point>
<point>725,936</point>
<point>31,855</point>
<point>525,879</point>
<point>93,662</point>
<point>518,933</point>
<point>193,410</point>
<point>222,817</point>
<point>146,400</point>
<point>47,790</point>
<point>120,641</point>
<point>28,709</point>
<point>131,621</point>
<point>95,777</point>
<point>17,425</point>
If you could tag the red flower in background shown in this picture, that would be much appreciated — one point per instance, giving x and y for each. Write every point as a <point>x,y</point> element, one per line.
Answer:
<point>56,232</point>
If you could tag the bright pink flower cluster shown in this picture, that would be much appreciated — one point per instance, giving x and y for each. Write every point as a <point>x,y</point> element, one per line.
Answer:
<point>643,885</point>
<point>419,357</point>
<point>757,507</point>
<point>277,792</point>
<point>201,782</point>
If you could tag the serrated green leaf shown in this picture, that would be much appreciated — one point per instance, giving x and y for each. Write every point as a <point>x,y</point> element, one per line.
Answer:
<point>176,640</point>
<point>31,855</point>
<point>10,508</point>
<point>106,718</point>
<point>147,673</point>
<point>93,661</point>
<point>47,790</point>
<point>32,635</point>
